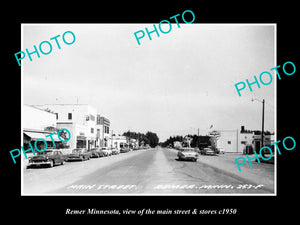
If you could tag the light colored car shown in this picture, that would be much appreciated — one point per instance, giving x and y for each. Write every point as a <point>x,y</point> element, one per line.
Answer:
<point>221,150</point>
<point>107,151</point>
<point>115,151</point>
<point>187,154</point>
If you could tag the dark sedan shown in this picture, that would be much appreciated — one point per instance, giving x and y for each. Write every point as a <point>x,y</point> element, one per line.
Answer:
<point>79,154</point>
<point>96,153</point>
<point>49,158</point>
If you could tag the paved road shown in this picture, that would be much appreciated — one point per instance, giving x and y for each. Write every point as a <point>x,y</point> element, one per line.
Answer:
<point>154,171</point>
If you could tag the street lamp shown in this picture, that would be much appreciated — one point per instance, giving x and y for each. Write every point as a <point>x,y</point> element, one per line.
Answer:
<point>263,118</point>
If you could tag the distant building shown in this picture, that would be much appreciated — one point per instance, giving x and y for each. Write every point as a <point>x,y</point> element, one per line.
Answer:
<point>177,144</point>
<point>235,141</point>
<point>119,141</point>
<point>103,131</point>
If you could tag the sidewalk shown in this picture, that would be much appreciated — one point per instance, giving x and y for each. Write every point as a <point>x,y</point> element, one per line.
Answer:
<point>259,173</point>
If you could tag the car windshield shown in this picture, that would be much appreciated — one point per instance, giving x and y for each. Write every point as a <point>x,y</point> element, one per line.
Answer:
<point>187,150</point>
<point>45,153</point>
<point>77,150</point>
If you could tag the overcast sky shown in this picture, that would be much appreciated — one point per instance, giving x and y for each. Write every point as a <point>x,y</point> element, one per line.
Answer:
<point>171,85</point>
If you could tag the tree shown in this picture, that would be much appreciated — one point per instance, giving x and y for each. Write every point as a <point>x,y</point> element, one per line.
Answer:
<point>149,138</point>
<point>153,139</point>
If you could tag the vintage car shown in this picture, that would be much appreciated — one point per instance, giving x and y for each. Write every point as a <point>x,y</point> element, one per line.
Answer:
<point>115,151</point>
<point>106,151</point>
<point>78,154</point>
<point>187,154</point>
<point>221,150</point>
<point>135,148</point>
<point>124,149</point>
<point>208,151</point>
<point>49,158</point>
<point>96,153</point>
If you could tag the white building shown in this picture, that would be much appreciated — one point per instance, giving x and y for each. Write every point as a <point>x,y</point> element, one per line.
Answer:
<point>235,140</point>
<point>36,124</point>
<point>79,119</point>
<point>37,119</point>
<point>118,141</point>
<point>78,135</point>
<point>228,140</point>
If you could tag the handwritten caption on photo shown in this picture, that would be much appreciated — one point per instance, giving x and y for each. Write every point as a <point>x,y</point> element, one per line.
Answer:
<point>163,186</point>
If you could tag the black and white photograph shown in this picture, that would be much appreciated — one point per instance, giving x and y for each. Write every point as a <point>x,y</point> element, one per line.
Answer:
<point>129,109</point>
<point>149,112</point>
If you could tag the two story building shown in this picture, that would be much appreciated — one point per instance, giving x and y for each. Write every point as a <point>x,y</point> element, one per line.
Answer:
<point>79,119</point>
<point>103,132</point>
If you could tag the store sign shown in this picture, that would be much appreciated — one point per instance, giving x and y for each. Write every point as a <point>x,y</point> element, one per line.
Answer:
<point>81,138</point>
<point>50,128</point>
<point>214,133</point>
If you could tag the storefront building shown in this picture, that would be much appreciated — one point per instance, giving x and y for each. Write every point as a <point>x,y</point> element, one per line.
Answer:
<point>103,131</point>
<point>36,124</point>
<point>79,119</point>
<point>235,141</point>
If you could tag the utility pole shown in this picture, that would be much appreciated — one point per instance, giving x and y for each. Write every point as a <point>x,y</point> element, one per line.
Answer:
<point>262,124</point>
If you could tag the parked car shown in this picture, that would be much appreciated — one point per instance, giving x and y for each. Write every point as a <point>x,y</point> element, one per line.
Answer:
<point>106,151</point>
<point>135,148</point>
<point>115,151</point>
<point>49,158</point>
<point>79,154</point>
<point>221,150</point>
<point>124,149</point>
<point>207,151</point>
<point>187,154</point>
<point>96,153</point>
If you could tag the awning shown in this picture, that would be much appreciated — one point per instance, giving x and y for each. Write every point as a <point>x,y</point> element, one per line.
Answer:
<point>36,135</point>
<point>81,138</point>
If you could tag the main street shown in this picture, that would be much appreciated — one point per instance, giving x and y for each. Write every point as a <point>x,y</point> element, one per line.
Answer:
<point>153,171</point>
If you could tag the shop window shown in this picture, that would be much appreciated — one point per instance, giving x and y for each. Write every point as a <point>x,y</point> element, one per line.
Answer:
<point>98,120</point>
